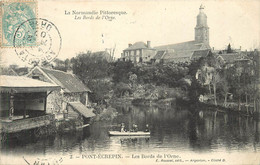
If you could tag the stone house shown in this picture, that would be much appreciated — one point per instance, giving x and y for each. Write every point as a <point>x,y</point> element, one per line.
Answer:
<point>73,92</point>
<point>138,52</point>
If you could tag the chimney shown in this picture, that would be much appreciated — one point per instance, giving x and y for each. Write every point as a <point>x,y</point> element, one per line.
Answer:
<point>240,48</point>
<point>148,44</point>
<point>212,48</point>
<point>129,45</point>
<point>69,70</point>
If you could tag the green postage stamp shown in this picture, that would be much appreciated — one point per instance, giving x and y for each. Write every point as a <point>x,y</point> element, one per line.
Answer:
<point>13,14</point>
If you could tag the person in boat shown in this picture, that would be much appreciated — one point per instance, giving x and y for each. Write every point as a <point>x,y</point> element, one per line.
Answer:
<point>122,127</point>
<point>135,128</point>
<point>132,130</point>
<point>147,128</point>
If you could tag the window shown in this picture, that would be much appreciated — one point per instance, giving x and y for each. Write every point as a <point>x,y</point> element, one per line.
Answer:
<point>137,52</point>
<point>36,77</point>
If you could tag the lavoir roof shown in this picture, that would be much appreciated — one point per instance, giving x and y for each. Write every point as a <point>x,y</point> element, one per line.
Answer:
<point>18,84</point>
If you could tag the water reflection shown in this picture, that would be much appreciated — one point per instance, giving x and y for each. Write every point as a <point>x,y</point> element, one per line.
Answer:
<point>172,129</point>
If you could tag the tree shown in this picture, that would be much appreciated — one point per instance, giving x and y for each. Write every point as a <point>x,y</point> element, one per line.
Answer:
<point>120,71</point>
<point>209,68</point>
<point>216,79</point>
<point>223,85</point>
<point>249,81</point>
<point>88,67</point>
<point>242,81</point>
<point>100,90</point>
<point>229,50</point>
<point>195,89</point>
<point>121,88</point>
<point>94,72</point>
<point>133,79</point>
<point>61,65</point>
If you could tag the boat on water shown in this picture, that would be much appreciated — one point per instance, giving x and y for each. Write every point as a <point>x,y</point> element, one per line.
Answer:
<point>138,133</point>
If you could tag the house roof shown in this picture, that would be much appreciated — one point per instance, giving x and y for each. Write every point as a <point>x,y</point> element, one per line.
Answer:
<point>189,45</point>
<point>200,53</point>
<point>159,54</point>
<point>69,82</point>
<point>181,54</point>
<point>103,55</point>
<point>7,71</point>
<point>19,84</point>
<point>171,55</point>
<point>231,57</point>
<point>21,71</point>
<point>82,109</point>
<point>138,45</point>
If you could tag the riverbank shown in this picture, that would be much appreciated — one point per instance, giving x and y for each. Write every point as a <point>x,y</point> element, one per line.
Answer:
<point>151,96</point>
<point>149,102</point>
<point>217,108</point>
<point>184,101</point>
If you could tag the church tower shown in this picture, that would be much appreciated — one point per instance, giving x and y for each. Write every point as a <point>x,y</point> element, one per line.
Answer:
<point>202,29</point>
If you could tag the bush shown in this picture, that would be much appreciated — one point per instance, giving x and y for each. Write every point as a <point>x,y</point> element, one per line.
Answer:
<point>106,114</point>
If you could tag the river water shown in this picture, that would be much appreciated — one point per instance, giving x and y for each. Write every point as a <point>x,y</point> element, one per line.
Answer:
<point>172,129</point>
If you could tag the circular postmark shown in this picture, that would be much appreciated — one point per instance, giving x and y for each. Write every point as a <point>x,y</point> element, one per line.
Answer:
<point>37,41</point>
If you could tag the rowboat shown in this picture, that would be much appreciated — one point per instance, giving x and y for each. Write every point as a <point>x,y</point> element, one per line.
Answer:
<point>138,133</point>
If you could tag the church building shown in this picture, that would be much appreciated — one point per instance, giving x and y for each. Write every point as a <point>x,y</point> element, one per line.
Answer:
<point>179,52</point>
<point>185,51</point>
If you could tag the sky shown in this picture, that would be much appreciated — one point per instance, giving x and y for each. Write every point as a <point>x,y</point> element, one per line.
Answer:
<point>161,22</point>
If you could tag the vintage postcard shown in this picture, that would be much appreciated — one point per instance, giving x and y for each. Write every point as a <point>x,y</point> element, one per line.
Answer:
<point>130,82</point>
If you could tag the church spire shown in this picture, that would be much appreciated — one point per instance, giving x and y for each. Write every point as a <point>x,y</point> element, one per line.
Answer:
<point>202,29</point>
<point>202,17</point>
<point>201,8</point>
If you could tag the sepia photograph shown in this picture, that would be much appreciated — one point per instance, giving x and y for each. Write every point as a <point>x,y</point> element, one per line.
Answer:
<point>129,82</point>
